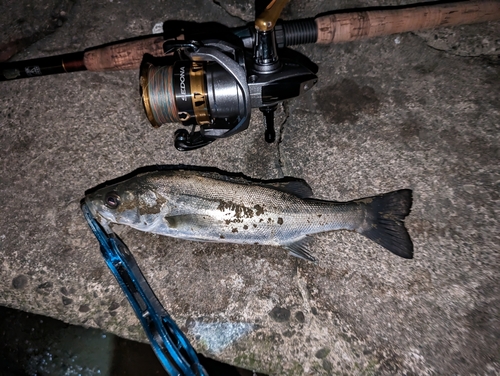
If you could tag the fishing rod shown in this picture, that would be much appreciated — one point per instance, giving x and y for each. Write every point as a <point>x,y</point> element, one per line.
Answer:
<point>209,77</point>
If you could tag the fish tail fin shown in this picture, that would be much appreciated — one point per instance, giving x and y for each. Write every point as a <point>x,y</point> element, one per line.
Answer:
<point>385,221</point>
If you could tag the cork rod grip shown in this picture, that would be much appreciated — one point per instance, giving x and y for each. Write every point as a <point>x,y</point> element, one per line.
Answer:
<point>122,56</point>
<point>347,27</point>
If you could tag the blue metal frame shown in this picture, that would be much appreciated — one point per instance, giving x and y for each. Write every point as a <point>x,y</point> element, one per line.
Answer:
<point>169,343</point>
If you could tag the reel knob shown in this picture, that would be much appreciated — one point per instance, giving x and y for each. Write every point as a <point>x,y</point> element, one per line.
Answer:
<point>185,141</point>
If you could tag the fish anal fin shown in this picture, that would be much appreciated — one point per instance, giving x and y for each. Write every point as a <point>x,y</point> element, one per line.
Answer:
<point>299,248</point>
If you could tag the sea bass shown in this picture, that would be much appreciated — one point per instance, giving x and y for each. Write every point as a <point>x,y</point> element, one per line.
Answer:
<point>217,207</point>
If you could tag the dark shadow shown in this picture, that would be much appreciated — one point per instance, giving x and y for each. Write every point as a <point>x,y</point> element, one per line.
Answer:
<point>38,345</point>
<point>134,358</point>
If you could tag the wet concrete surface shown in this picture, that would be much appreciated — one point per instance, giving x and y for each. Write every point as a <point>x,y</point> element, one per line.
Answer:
<point>417,110</point>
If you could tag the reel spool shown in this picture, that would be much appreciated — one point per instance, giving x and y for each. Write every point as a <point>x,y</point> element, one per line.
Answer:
<point>193,93</point>
<point>209,91</point>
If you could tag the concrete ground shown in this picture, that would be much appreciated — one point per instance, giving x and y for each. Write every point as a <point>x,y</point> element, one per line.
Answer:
<point>417,110</point>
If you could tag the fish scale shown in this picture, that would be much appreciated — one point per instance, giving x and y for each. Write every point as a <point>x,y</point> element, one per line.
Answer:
<point>214,207</point>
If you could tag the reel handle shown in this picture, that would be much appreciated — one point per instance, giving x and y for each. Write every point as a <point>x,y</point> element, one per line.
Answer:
<point>268,18</point>
<point>185,141</point>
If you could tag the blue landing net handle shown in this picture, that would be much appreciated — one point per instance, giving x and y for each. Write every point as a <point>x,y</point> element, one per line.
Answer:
<point>171,346</point>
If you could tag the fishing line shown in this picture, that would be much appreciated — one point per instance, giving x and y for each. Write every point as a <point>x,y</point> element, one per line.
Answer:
<point>160,93</point>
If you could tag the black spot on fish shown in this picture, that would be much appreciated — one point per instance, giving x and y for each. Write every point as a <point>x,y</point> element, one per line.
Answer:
<point>280,221</point>
<point>228,221</point>
<point>269,220</point>
<point>222,206</point>
<point>319,215</point>
<point>222,237</point>
<point>261,220</point>
<point>258,210</point>
<point>235,230</point>
<point>245,227</point>
<point>240,211</point>
<point>254,225</point>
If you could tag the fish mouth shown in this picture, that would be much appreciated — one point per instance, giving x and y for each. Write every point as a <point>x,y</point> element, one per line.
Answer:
<point>90,205</point>
<point>98,211</point>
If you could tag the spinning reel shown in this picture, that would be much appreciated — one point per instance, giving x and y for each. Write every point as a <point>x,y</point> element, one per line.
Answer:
<point>211,85</point>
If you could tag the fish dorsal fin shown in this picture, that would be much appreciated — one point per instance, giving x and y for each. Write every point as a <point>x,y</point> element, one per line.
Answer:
<point>299,248</point>
<point>296,187</point>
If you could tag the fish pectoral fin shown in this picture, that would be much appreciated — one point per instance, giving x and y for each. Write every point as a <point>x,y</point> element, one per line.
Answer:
<point>185,220</point>
<point>299,248</point>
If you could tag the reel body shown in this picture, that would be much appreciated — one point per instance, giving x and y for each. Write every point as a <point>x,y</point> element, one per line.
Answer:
<point>211,85</point>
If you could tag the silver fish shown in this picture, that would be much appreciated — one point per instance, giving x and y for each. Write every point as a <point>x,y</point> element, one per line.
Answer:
<point>217,207</point>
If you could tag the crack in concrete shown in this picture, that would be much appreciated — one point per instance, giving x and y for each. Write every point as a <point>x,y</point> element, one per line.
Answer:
<point>452,53</point>
<point>286,111</point>
<point>304,292</point>
<point>449,48</point>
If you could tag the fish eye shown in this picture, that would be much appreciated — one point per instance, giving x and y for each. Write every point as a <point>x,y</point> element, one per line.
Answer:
<point>112,200</point>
